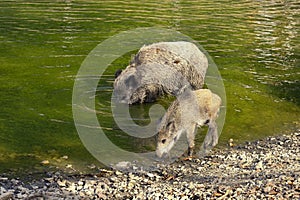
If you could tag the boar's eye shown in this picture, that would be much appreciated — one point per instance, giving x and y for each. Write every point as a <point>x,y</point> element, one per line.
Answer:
<point>163,141</point>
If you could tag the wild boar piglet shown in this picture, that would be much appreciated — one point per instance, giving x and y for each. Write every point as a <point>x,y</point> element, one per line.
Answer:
<point>198,108</point>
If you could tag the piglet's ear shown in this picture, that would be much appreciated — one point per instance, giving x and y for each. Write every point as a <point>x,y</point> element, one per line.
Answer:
<point>159,121</point>
<point>117,73</point>
<point>171,126</point>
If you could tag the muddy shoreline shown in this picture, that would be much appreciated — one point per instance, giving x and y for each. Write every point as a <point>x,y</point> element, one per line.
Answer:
<point>263,169</point>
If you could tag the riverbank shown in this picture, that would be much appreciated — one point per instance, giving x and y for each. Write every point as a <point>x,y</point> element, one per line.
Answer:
<point>263,169</point>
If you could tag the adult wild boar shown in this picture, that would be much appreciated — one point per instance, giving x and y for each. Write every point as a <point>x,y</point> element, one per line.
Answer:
<point>158,69</point>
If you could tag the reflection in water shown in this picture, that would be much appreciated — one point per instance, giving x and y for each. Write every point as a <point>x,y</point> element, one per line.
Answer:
<point>275,29</point>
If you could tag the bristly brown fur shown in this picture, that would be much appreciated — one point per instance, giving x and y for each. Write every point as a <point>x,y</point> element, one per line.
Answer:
<point>148,75</point>
<point>184,116</point>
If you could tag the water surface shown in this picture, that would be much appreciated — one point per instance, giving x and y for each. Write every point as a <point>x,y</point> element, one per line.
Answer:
<point>43,43</point>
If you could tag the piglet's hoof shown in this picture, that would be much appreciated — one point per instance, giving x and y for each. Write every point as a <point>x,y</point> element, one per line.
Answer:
<point>189,154</point>
<point>188,158</point>
<point>190,151</point>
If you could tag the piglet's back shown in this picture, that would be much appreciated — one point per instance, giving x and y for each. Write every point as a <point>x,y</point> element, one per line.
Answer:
<point>209,101</point>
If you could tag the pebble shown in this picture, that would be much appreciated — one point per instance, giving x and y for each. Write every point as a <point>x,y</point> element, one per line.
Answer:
<point>45,162</point>
<point>259,165</point>
<point>69,166</point>
<point>65,157</point>
<point>6,196</point>
<point>265,169</point>
<point>118,173</point>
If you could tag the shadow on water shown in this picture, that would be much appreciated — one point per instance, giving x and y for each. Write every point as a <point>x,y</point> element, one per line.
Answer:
<point>289,91</point>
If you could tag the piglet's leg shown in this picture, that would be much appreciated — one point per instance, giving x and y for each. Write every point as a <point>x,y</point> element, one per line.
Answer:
<point>190,134</point>
<point>212,136</point>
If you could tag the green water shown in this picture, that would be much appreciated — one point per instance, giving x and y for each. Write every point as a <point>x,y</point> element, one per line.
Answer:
<point>43,43</point>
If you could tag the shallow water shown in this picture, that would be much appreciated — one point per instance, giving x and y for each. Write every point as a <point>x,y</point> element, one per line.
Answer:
<point>255,44</point>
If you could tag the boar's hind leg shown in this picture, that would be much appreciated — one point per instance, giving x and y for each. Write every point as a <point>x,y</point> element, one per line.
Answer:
<point>190,134</point>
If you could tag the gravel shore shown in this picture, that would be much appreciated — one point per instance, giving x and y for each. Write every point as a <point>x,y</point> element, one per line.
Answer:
<point>264,169</point>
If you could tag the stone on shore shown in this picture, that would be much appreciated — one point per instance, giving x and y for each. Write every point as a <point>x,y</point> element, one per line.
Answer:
<point>264,169</point>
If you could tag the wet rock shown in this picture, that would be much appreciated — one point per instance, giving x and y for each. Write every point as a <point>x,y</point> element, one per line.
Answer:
<point>45,162</point>
<point>65,157</point>
<point>230,142</point>
<point>69,166</point>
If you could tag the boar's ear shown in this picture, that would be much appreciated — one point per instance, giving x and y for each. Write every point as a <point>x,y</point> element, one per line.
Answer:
<point>118,72</point>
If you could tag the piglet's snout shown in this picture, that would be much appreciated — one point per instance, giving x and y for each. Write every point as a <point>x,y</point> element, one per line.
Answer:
<point>161,154</point>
